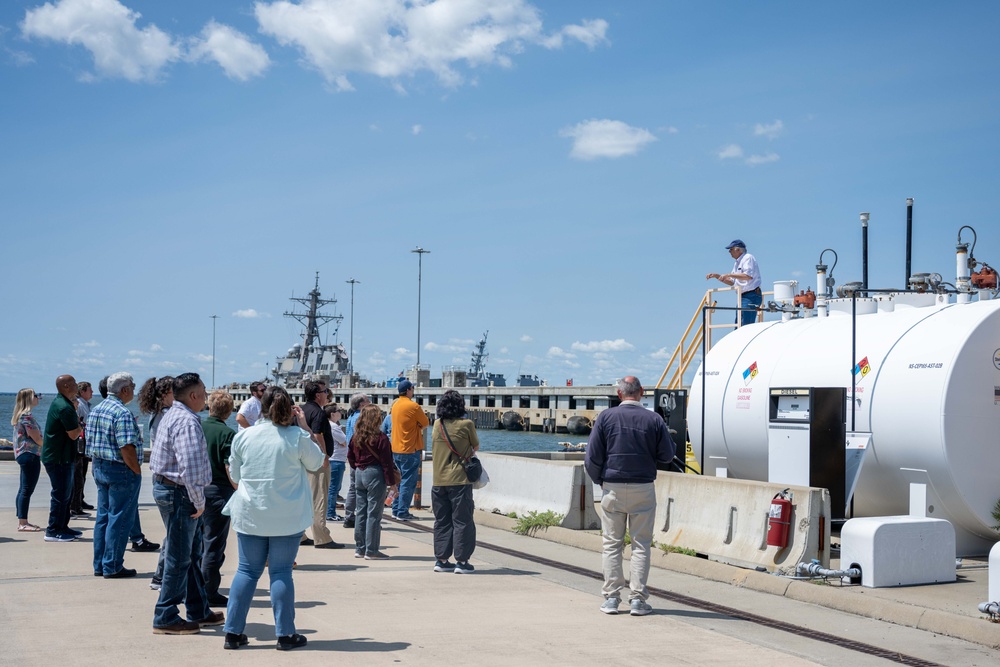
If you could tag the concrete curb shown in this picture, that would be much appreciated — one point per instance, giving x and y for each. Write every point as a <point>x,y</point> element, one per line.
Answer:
<point>849,600</point>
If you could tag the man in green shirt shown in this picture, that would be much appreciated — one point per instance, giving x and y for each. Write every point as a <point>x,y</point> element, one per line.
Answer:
<point>62,428</point>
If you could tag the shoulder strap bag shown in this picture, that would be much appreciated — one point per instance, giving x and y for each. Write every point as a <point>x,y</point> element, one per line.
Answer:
<point>472,465</point>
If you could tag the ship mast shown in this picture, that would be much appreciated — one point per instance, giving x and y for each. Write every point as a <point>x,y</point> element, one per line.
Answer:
<point>312,320</point>
<point>479,358</point>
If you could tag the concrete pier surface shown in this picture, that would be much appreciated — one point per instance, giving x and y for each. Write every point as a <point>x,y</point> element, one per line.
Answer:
<point>512,610</point>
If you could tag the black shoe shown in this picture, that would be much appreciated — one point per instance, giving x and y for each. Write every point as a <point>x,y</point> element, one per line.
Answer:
<point>145,545</point>
<point>290,642</point>
<point>234,641</point>
<point>74,532</point>
<point>98,573</point>
<point>123,573</point>
<point>330,545</point>
<point>306,543</point>
<point>348,523</point>
<point>79,514</point>
<point>86,506</point>
<point>218,600</point>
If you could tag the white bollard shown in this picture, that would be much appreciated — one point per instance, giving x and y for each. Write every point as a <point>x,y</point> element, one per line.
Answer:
<point>994,576</point>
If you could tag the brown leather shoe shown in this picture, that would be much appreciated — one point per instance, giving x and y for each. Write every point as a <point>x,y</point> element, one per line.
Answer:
<point>181,627</point>
<point>213,618</point>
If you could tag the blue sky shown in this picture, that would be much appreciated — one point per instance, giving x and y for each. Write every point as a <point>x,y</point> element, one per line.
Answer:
<point>575,169</point>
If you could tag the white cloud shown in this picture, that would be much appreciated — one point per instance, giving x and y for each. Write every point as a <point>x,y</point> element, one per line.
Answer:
<point>589,33</point>
<point>108,30</point>
<point>202,357</point>
<point>19,58</point>
<point>89,343</point>
<point>453,345</point>
<point>617,345</point>
<point>155,347</point>
<point>754,160</point>
<point>662,353</point>
<point>730,152</point>
<point>401,353</point>
<point>503,350</point>
<point>239,58</point>
<point>594,139</point>
<point>249,313</point>
<point>391,39</point>
<point>133,361</point>
<point>417,129</point>
<point>526,338</point>
<point>771,130</point>
<point>559,353</point>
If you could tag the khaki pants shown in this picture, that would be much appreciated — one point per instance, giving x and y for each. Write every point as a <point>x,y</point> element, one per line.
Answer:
<point>631,506</point>
<point>319,485</point>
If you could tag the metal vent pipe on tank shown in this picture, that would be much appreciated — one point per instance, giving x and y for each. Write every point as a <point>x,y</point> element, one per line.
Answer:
<point>909,239</point>
<point>864,251</point>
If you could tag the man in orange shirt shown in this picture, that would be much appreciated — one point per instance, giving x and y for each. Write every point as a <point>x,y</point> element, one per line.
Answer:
<point>408,423</point>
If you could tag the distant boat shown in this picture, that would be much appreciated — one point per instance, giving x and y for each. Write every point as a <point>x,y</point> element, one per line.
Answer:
<point>570,447</point>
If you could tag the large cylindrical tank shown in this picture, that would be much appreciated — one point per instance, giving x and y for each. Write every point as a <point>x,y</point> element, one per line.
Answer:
<point>928,390</point>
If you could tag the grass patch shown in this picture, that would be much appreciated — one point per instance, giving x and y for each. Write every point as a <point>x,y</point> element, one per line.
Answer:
<point>532,522</point>
<point>996,515</point>
<point>671,549</point>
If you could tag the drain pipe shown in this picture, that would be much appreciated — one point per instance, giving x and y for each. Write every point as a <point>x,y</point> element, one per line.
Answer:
<point>814,569</point>
<point>991,608</point>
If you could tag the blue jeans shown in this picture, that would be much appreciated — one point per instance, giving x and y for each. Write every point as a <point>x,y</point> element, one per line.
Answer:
<point>256,552</point>
<point>182,581</point>
<point>336,481</point>
<point>31,469</point>
<point>116,501</point>
<point>370,488</point>
<point>409,465</point>
<point>750,301</point>
<point>61,476</point>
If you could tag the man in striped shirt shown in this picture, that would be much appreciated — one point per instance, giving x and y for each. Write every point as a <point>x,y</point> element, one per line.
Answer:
<point>181,471</point>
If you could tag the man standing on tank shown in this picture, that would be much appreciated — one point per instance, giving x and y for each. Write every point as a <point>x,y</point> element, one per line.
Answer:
<point>745,276</point>
<point>626,446</point>
<point>62,428</point>
<point>408,423</point>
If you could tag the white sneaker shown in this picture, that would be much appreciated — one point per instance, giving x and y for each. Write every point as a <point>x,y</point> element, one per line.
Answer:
<point>610,606</point>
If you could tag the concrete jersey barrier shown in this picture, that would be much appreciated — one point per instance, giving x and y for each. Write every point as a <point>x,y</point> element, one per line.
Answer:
<point>726,519</point>
<point>523,483</point>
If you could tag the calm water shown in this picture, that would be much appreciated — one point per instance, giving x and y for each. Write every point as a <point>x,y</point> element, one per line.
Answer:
<point>490,440</point>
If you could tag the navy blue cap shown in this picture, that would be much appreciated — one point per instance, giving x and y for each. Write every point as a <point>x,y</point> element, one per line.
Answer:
<point>736,244</point>
<point>404,386</point>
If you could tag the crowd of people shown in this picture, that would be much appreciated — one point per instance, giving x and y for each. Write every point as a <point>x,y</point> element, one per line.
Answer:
<point>275,483</point>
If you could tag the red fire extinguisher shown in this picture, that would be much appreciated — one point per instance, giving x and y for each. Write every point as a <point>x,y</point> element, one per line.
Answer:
<point>779,520</point>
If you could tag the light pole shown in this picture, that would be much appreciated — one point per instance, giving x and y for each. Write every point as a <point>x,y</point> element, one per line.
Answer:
<point>350,362</point>
<point>420,272</point>
<point>214,318</point>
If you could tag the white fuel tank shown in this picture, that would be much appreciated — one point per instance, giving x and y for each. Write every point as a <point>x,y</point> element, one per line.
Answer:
<point>928,389</point>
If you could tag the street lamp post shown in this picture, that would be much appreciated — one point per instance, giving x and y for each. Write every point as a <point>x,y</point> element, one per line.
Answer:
<point>420,272</point>
<point>214,318</point>
<point>350,362</point>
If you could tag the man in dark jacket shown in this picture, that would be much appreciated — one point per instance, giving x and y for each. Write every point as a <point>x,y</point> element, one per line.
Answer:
<point>625,446</point>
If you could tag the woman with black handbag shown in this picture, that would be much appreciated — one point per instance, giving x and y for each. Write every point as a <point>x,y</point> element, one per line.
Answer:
<point>455,443</point>
<point>370,454</point>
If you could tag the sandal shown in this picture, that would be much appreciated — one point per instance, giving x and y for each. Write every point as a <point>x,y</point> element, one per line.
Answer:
<point>28,528</point>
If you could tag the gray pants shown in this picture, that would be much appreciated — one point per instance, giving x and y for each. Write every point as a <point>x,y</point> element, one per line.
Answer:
<point>371,490</point>
<point>454,527</point>
<point>632,507</point>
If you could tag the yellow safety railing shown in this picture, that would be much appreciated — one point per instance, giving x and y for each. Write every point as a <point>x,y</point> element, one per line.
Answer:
<point>690,342</point>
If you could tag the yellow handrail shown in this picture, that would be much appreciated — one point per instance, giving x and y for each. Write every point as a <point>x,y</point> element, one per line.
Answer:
<point>686,351</point>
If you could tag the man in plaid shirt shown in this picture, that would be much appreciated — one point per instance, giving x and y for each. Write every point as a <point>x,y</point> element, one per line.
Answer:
<point>181,471</point>
<point>114,443</point>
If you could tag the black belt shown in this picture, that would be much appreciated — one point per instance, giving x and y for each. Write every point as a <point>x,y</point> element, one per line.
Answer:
<point>754,291</point>
<point>163,480</point>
